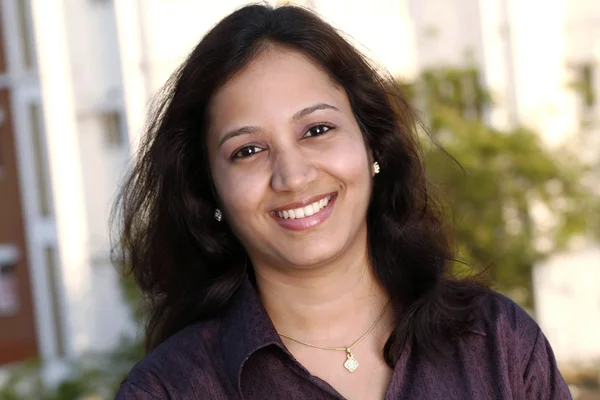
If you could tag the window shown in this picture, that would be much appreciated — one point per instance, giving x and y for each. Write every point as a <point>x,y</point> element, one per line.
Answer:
<point>9,299</point>
<point>113,129</point>
<point>1,158</point>
<point>584,84</point>
<point>585,80</point>
<point>9,303</point>
<point>26,34</point>
<point>53,279</point>
<point>41,160</point>
<point>2,124</point>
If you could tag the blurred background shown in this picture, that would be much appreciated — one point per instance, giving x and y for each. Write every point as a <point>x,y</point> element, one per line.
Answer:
<point>510,88</point>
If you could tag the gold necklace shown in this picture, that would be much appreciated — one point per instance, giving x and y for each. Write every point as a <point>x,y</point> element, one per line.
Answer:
<point>351,363</point>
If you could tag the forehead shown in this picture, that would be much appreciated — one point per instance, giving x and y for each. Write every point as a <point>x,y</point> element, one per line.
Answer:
<point>277,79</point>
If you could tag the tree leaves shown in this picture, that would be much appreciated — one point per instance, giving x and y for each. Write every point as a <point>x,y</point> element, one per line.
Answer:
<point>512,200</point>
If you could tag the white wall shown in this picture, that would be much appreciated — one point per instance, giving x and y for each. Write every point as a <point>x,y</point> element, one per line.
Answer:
<point>567,299</point>
<point>582,30</point>
<point>545,101</point>
<point>447,32</point>
<point>96,79</point>
<point>77,78</point>
<point>381,29</point>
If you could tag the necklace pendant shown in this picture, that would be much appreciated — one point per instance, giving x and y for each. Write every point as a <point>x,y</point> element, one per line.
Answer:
<point>351,363</point>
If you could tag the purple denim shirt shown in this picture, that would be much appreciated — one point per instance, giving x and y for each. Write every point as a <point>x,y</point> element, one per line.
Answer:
<point>240,356</point>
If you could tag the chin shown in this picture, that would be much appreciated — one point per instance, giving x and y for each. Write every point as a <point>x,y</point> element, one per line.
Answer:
<point>303,257</point>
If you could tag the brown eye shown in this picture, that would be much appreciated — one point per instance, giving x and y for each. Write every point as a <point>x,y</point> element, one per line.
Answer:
<point>317,130</point>
<point>247,151</point>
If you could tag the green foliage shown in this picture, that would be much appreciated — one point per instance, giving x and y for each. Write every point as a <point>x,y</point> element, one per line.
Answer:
<point>504,177</point>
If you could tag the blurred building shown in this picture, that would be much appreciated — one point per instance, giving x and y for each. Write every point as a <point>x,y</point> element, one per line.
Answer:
<point>63,147</point>
<point>76,77</point>
<point>17,334</point>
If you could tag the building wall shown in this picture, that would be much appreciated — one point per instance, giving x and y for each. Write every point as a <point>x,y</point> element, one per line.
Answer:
<point>567,295</point>
<point>70,151</point>
<point>568,305</point>
<point>67,180</point>
<point>544,100</point>
<point>17,325</point>
<point>447,32</point>
<point>34,186</point>
<point>383,30</point>
<point>582,31</point>
<point>102,144</point>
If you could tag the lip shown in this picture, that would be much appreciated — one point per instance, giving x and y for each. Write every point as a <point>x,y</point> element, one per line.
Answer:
<point>306,222</point>
<point>303,203</point>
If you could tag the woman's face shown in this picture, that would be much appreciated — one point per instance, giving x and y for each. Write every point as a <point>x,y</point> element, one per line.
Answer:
<point>289,162</point>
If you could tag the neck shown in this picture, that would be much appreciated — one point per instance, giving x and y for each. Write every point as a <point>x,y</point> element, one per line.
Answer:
<point>329,305</point>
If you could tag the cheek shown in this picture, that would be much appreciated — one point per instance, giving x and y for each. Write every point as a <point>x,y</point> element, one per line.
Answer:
<point>348,161</point>
<point>240,194</point>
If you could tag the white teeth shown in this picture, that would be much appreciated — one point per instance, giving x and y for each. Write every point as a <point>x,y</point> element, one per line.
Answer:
<point>306,211</point>
<point>316,207</point>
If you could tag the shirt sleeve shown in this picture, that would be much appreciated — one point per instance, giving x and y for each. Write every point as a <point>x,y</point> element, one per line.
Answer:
<point>130,391</point>
<point>542,378</point>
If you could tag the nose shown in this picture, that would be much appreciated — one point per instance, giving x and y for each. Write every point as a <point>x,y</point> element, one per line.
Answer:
<point>293,171</point>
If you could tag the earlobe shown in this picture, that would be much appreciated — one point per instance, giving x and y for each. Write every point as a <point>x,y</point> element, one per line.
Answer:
<point>376,168</point>
<point>218,215</point>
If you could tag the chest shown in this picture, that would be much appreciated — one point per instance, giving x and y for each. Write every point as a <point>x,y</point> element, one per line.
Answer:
<point>358,375</point>
<point>272,376</point>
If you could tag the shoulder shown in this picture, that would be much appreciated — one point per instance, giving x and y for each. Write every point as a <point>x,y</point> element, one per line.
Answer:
<point>499,313</point>
<point>193,345</point>
<point>187,365</point>
<point>514,340</point>
<point>505,323</point>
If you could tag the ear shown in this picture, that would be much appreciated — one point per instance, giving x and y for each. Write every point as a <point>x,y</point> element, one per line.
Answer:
<point>371,158</point>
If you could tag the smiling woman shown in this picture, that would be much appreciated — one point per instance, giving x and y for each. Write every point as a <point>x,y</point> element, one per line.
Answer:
<point>279,223</point>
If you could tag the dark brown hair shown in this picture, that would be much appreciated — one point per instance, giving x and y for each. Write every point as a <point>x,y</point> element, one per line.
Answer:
<point>188,266</point>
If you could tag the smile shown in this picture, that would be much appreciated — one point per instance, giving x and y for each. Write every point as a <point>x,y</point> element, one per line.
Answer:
<point>306,211</point>
<point>297,216</point>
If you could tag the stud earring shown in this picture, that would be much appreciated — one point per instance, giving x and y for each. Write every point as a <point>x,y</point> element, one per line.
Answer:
<point>218,215</point>
<point>376,168</point>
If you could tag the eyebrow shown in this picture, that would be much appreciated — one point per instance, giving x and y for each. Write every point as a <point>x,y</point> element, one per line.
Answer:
<point>248,130</point>
<point>321,106</point>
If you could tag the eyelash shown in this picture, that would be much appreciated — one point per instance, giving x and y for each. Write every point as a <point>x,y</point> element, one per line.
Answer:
<point>319,125</point>
<point>328,127</point>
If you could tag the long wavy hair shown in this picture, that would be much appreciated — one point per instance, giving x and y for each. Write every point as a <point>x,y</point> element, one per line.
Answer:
<point>188,266</point>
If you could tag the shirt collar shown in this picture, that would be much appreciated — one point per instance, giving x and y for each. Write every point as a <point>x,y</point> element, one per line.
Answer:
<point>246,328</point>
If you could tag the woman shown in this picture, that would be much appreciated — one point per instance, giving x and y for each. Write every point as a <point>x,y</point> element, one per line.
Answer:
<point>279,223</point>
